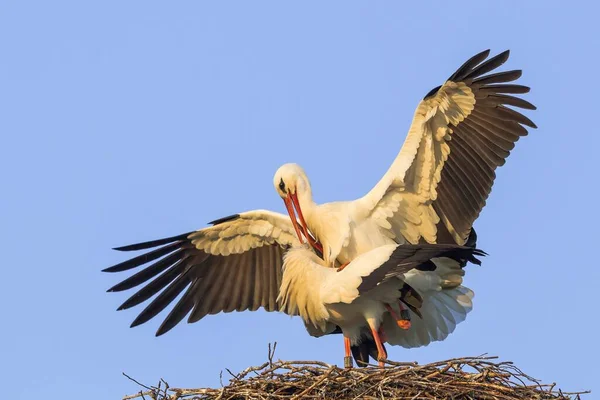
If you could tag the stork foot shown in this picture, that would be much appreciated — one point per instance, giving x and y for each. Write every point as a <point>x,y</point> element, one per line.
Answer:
<point>403,324</point>
<point>403,321</point>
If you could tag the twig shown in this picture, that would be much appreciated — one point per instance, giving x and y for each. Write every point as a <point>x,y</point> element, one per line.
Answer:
<point>272,353</point>
<point>140,384</point>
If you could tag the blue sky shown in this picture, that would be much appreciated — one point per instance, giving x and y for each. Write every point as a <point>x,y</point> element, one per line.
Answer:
<point>129,121</point>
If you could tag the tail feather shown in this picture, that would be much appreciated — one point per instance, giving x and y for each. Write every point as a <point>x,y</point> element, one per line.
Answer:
<point>459,302</point>
<point>361,353</point>
<point>445,316</point>
<point>441,320</point>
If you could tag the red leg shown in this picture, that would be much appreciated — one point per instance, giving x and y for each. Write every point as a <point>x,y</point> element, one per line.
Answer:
<point>348,356</point>
<point>381,353</point>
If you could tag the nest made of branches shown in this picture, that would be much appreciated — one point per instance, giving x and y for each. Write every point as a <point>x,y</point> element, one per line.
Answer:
<point>479,378</point>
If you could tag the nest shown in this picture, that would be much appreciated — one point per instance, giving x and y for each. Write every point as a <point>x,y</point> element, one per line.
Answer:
<point>479,378</point>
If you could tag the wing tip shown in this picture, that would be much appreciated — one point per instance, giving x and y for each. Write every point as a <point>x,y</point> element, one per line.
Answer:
<point>124,248</point>
<point>475,63</point>
<point>162,330</point>
<point>117,288</point>
<point>228,218</point>
<point>135,323</point>
<point>479,252</point>
<point>153,243</point>
<point>139,320</point>
<point>484,53</point>
<point>505,53</point>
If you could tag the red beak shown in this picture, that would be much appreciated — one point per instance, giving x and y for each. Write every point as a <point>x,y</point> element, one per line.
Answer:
<point>290,209</point>
<point>291,203</point>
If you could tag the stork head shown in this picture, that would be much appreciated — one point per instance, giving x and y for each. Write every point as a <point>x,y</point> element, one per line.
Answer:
<point>289,180</point>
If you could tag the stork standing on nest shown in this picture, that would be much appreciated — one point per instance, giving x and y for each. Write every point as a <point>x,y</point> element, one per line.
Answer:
<point>432,193</point>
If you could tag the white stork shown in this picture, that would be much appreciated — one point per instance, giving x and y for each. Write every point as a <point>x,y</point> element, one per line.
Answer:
<point>433,192</point>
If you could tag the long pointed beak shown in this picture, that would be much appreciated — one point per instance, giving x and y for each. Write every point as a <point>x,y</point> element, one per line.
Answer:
<point>290,209</point>
<point>311,241</point>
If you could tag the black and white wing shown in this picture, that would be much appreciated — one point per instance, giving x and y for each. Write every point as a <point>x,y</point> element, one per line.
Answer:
<point>461,132</point>
<point>234,265</point>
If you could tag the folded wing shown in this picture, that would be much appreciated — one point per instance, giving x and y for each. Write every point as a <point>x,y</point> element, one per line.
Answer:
<point>381,264</point>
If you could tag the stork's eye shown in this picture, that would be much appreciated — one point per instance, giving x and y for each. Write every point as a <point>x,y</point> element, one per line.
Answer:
<point>282,185</point>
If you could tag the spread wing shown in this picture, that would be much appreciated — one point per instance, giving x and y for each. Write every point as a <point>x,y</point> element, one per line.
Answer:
<point>461,132</point>
<point>234,265</point>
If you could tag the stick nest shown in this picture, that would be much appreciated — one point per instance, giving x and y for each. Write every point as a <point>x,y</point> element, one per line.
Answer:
<point>459,379</point>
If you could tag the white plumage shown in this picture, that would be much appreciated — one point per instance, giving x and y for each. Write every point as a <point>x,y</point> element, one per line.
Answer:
<point>317,293</point>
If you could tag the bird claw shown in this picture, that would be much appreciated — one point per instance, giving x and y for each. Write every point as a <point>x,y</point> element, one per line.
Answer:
<point>403,321</point>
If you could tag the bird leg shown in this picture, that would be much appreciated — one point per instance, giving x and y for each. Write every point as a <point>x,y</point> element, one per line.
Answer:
<point>381,353</point>
<point>403,320</point>
<point>348,356</point>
